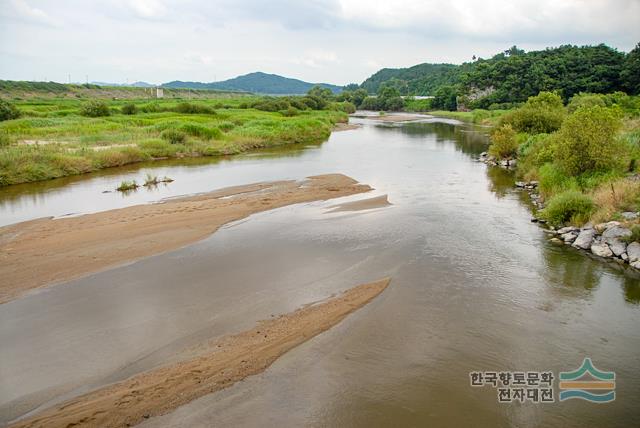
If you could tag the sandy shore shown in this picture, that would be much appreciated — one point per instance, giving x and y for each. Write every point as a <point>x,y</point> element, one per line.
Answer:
<point>40,252</point>
<point>231,359</point>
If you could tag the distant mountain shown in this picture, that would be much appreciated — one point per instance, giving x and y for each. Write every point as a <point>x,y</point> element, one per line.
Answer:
<point>134,85</point>
<point>260,83</point>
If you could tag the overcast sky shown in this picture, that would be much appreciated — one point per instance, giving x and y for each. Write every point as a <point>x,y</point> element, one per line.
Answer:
<point>335,41</point>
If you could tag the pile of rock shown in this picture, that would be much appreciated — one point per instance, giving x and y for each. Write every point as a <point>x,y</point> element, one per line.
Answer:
<point>607,240</point>
<point>492,160</point>
<point>531,187</point>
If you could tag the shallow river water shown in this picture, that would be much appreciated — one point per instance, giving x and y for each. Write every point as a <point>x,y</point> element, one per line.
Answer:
<point>475,287</point>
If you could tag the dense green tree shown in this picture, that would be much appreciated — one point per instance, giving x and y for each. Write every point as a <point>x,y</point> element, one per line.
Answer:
<point>8,110</point>
<point>445,98</point>
<point>630,74</point>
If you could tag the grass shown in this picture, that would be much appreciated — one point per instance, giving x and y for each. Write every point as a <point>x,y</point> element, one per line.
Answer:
<point>126,186</point>
<point>69,143</point>
<point>480,117</point>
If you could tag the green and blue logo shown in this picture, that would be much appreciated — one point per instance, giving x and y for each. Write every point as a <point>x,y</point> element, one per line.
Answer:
<point>588,383</point>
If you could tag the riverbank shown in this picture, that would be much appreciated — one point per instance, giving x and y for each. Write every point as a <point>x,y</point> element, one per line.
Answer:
<point>58,138</point>
<point>46,251</point>
<point>226,361</point>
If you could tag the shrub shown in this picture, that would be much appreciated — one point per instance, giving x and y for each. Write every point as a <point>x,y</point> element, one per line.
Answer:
<point>290,112</point>
<point>201,131</point>
<point>129,109</point>
<point>95,108</point>
<point>125,186</point>
<point>586,142</point>
<point>189,108</point>
<point>503,142</point>
<point>8,111</point>
<point>543,113</point>
<point>345,106</point>
<point>173,136</point>
<point>570,205</point>
<point>585,100</point>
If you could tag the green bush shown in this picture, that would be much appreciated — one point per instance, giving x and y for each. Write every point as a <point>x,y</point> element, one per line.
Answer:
<point>370,103</point>
<point>543,113</point>
<point>503,143</point>
<point>173,136</point>
<point>129,109</point>
<point>587,141</point>
<point>290,112</point>
<point>345,106</point>
<point>201,131</point>
<point>8,111</point>
<point>584,99</point>
<point>189,108</point>
<point>569,206</point>
<point>95,108</point>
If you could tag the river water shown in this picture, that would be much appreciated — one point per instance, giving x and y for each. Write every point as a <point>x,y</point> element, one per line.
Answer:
<point>475,287</point>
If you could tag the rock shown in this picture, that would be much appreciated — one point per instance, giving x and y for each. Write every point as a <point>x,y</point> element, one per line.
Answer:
<point>635,264</point>
<point>569,237</point>
<point>504,163</point>
<point>533,183</point>
<point>587,226</point>
<point>484,154</point>
<point>615,232</point>
<point>628,215</point>
<point>584,239</point>
<point>617,246</point>
<point>633,251</point>
<point>534,220</point>
<point>513,163</point>
<point>601,250</point>
<point>520,184</point>
<point>624,257</point>
<point>567,229</point>
<point>556,241</point>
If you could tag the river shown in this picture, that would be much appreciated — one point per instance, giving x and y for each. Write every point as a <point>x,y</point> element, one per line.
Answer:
<point>475,287</point>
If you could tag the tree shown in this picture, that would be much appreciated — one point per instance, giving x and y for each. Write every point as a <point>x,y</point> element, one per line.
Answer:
<point>445,98</point>
<point>586,141</point>
<point>8,111</point>
<point>630,74</point>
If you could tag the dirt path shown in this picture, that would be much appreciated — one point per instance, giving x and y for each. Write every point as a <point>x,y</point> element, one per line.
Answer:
<point>40,252</point>
<point>231,359</point>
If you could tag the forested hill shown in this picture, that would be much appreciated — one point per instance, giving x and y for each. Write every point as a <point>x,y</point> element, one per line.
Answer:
<point>260,83</point>
<point>514,75</point>
<point>421,79</point>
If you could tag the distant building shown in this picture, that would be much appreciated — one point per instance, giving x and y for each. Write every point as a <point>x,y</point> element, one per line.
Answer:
<point>159,93</point>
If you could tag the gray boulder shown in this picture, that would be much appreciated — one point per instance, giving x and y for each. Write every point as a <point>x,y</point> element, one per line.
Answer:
<point>618,247</point>
<point>628,215</point>
<point>633,251</point>
<point>569,237</point>
<point>584,239</point>
<point>567,229</point>
<point>635,264</point>
<point>601,249</point>
<point>615,232</point>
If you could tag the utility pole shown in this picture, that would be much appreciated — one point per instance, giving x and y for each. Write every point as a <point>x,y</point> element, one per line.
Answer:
<point>69,78</point>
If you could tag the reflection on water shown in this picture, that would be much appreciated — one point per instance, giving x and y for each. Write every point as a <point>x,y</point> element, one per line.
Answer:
<point>476,286</point>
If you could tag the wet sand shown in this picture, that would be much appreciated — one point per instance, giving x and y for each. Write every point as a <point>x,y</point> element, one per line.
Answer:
<point>46,251</point>
<point>345,126</point>
<point>362,204</point>
<point>229,360</point>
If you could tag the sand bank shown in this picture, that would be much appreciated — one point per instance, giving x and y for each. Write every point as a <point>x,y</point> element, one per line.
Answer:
<point>46,251</point>
<point>362,204</point>
<point>232,358</point>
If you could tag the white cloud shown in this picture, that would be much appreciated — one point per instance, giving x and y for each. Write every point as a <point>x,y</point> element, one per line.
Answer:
<point>337,41</point>
<point>32,14</point>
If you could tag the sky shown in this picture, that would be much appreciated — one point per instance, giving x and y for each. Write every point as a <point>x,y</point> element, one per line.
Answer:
<point>334,41</point>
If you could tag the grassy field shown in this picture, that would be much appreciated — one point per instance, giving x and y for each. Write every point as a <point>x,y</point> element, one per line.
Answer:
<point>53,139</point>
